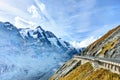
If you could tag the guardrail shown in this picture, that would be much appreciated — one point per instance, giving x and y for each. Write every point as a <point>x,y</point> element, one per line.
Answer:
<point>110,64</point>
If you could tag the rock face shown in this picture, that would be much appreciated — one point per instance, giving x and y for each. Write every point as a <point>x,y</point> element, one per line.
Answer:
<point>106,49</point>
<point>108,46</point>
<point>27,54</point>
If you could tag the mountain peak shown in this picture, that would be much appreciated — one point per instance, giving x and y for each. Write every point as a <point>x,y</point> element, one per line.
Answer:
<point>44,37</point>
<point>40,28</point>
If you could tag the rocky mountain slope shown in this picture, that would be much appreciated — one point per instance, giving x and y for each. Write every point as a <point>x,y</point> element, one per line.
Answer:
<point>104,50</point>
<point>27,54</point>
<point>107,46</point>
<point>87,72</point>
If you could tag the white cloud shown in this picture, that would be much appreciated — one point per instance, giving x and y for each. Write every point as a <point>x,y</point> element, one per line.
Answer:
<point>33,10</point>
<point>9,9</point>
<point>22,23</point>
<point>44,13</point>
<point>48,22</point>
<point>83,43</point>
<point>41,6</point>
<point>35,13</point>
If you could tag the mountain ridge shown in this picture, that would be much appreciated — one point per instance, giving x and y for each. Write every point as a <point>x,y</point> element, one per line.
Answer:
<point>27,55</point>
<point>105,44</point>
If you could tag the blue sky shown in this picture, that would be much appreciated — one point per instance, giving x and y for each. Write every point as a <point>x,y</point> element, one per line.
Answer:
<point>78,21</point>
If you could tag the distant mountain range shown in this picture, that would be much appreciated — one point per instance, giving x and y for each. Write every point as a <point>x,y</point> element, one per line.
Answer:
<point>27,54</point>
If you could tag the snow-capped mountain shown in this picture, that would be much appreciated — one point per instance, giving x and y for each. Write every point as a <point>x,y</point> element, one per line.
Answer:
<point>44,37</point>
<point>27,54</point>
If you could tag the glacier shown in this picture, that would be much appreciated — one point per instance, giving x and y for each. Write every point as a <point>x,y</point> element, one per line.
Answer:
<point>27,54</point>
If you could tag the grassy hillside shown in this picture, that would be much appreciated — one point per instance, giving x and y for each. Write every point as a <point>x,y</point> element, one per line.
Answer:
<point>102,74</point>
<point>86,72</point>
<point>78,73</point>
